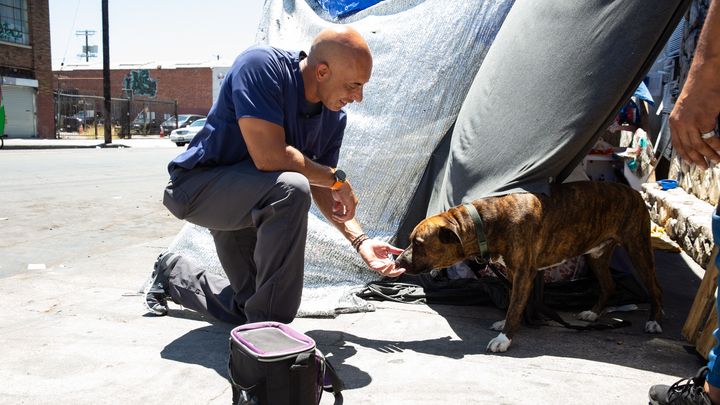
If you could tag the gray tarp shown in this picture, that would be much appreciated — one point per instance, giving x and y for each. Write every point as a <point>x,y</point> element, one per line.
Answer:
<point>553,80</point>
<point>550,83</point>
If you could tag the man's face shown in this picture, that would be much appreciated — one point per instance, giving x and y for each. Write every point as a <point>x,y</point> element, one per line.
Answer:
<point>342,82</point>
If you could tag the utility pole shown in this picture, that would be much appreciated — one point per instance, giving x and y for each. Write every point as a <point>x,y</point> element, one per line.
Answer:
<point>107,111</point>
<point>87,51</point>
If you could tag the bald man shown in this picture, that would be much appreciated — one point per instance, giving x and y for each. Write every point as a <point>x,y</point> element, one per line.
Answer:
<point>270,144</point>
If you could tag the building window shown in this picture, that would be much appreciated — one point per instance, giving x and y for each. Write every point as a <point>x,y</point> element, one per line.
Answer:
<point>14,22</point>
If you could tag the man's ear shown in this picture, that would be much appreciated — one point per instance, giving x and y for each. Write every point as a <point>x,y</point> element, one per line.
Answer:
<point>322,72</point>
<point>448,235</point>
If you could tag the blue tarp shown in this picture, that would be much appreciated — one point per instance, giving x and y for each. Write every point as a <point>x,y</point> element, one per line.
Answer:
<point>643,93</point>
<point>343,8</point>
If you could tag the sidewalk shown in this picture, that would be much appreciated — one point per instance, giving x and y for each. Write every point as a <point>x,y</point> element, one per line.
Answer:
<point>71,338</point>
<point>74,330</point>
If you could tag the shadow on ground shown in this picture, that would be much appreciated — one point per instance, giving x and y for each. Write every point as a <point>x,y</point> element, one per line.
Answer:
<point>629,346</point>
<point>207,346</point>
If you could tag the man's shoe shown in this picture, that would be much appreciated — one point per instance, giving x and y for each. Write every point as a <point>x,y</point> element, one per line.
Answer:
<point>155,293</point>
<point>688,391</point>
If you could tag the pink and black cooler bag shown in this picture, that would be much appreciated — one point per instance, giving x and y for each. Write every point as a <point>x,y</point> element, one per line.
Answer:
<point>273,364</point>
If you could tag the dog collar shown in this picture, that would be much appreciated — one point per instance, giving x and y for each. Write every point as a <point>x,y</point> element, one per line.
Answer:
<point>482,242</point>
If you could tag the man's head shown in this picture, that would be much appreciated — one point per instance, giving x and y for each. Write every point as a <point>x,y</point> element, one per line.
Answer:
<point>337,67</point>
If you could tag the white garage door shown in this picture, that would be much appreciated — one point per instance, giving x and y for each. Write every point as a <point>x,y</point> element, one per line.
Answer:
<point>19,111</point>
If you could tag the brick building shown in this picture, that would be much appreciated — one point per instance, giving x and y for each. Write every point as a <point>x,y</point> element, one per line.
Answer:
<point>25,68</point>
<point>193,87</point>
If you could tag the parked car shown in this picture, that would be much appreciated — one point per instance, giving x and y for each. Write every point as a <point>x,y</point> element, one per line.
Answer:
<point>183,120</point>
<point>71,123</point>
<point>87,116</point>
<point>182,136</point>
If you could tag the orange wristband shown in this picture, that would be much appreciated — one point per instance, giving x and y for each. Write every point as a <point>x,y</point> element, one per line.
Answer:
<point>340,178</point>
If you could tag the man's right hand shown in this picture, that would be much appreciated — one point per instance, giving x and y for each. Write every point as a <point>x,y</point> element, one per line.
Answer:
<point>695,113</point>
<point>345,203</point>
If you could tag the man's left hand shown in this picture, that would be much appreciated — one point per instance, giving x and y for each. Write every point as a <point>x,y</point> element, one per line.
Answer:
<point>344,203</point>
<point>377,253</point>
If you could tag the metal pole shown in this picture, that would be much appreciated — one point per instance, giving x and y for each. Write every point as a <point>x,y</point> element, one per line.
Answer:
<point>127,119</point>
<point>95,117</point>
<point>107,111</point>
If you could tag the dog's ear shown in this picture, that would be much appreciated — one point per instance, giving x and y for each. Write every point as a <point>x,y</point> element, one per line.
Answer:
<point>448,235</point>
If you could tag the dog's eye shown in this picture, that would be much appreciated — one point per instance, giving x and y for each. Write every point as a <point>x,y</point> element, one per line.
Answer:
<point>418,240</point>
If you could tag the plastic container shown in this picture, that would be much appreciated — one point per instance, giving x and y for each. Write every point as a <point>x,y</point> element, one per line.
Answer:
<point>667,184</point>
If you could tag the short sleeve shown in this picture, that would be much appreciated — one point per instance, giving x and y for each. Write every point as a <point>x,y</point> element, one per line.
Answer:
<point>257,87</point>
<point>331,154</point>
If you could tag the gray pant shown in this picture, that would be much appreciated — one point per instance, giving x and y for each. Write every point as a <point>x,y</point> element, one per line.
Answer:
<point>258,221</point>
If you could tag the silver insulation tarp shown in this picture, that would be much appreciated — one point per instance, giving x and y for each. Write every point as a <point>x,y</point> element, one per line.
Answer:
<point>426,54</point>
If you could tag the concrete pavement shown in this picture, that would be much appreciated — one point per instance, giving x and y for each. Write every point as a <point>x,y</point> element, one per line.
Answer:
<point>76,142</point>
<point>75,331</point>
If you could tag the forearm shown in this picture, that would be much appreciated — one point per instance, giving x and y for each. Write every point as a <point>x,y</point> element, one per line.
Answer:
<point>350,229</point>
<point>375,253</point>
<point>269,152</point>
<point>292,160</point>
<point>704,73</point>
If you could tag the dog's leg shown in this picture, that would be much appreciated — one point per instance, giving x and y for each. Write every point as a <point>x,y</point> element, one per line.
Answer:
<point>522,285</point>
<point>643,259</point>
<point>600,266</point>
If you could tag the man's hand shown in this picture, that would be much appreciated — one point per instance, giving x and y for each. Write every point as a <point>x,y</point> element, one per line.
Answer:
<point>377,253</point>
<point>344,203</point>
<point>694,114</point>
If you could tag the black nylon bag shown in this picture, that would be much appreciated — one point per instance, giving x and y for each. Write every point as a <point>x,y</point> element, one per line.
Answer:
<point>273,364</point>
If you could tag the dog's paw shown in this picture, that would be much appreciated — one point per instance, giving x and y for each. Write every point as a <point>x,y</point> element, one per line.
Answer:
<point>653,327</point>
<point>498,326</point>
<point>499,344</point>
<point>588,315</point>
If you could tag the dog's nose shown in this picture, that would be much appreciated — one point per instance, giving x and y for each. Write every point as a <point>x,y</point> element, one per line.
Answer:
<point>404,259</point>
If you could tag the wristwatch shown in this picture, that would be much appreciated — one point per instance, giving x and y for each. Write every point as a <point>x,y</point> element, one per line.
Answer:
<point>340,178</point>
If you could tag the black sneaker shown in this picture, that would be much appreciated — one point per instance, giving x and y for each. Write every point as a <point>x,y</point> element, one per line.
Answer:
<point>688,391</point>
<point>155,293</point>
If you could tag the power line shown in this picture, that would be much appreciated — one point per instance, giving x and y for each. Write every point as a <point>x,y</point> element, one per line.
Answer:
<point>67,46</point>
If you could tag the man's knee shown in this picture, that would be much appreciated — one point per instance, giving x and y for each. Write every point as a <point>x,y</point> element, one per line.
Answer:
<point>294,188</point>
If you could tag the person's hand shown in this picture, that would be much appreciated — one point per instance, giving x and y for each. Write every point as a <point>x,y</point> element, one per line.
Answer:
<point>377,253</point>
<point>344,203</point>
<point>694,114</point>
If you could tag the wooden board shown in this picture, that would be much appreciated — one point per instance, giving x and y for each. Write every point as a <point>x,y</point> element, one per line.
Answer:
<point>702,319</point>
<point>706,341</point>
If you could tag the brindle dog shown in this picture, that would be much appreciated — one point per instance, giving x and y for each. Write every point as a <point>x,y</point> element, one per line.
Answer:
<point>526,232</point>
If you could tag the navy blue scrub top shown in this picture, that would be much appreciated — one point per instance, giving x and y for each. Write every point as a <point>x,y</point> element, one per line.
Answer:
<point>265,83</point>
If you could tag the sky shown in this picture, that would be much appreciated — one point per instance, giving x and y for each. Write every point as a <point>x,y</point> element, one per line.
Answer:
<point>164,31</point>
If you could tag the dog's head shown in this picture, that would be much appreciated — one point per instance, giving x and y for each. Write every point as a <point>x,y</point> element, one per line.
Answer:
<point>434,243</point>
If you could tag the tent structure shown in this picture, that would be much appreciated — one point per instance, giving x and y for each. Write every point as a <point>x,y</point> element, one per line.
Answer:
<point>465,101</point>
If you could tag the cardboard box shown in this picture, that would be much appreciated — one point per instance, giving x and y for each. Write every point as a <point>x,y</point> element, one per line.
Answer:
<point>602,167</point>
